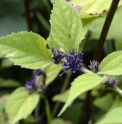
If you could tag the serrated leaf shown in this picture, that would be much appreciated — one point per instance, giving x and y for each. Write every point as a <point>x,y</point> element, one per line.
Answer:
<point>92,8</point>
<point>20,104</point>
<point>104,102</point>
<point>66,26</point>
<point>80,85</point>
<point>112,64</point>
<point>26,49</point>
<point>113,117</point>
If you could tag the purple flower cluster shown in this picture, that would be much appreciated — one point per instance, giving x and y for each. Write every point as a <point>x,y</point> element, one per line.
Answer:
<point>111,82</point>
<point>94,66</point>
<point>73,62</point>
<point>57,55</point>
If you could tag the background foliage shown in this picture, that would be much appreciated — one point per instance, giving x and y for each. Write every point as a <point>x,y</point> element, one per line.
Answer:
<point>15,17</point>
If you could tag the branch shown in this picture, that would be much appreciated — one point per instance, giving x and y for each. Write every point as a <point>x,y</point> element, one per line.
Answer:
<point>28,18</point>
<point>99,48</point>
<point>105,29</point>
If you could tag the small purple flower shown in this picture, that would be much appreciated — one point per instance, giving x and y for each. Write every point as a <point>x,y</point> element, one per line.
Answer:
<point>57,56</point>
<point>111,82</point>
<point>73,62</point>
<point>94,66</point>
<point>38,72</point>
<point>31,84</point>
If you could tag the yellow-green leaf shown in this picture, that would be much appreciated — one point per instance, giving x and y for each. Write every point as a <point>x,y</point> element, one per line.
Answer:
<point>20,104</point>
<point>26,49</point>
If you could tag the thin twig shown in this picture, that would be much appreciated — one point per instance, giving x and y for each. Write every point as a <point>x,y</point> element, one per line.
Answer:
<point>105,29</point>
<point>99,48</point>
<point>28,18</point>
<point>62,90</point>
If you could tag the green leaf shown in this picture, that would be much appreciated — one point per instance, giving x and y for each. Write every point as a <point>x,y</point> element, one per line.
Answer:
<point>104,102</point>
<point>112,64</point>
<point>92,8</point>
<point>66,26</point>
<point>80,85</point>
<point>8,83</point>
<point>51,41</point>
<point>117,103</point>
<point>26,49</point>
<point>52,71</point>
<point>113,117</point>
<point>61,97</point>
<point>20,104</point>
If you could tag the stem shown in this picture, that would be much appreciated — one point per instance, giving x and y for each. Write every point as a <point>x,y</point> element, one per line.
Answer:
<point>105,29</point>
<point>47,108</point>
<point>118,90</point>
<point>87,71</point>
<point>99,48</point>
<point>66,82</point>
<point>28,18</point>
<point>62,90</point>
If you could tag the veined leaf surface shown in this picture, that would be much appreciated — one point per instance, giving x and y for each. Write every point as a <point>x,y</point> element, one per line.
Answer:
<point>20,104</point>
<point>80,85</point>
<point>93,8</point>
<point>26,49</point>
<point>66,26</point>
<point>112,64</point>
<point>113,117</point>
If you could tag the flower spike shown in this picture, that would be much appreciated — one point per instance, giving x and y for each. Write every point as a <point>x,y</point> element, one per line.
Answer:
<point>94,66</point>
<point>73,62</point>
<point>110,83</point>
<point>57,55</point>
